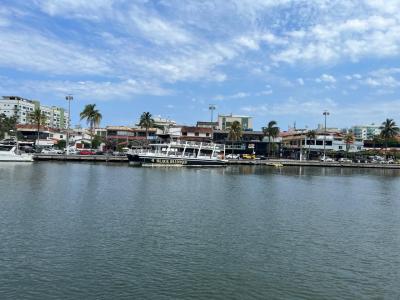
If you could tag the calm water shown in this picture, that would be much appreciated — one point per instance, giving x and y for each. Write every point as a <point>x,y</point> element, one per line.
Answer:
<point>83,231</point>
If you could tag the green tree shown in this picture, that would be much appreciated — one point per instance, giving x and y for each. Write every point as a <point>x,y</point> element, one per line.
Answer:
<point>311,135</point>
<point>93,118</point>
<point>97,140</point>
<point>61,144</point>
<point>348,139</point>
<point>235,132</point>
<point>389,130</point>
<point>272,132</point>
<point>146,121</point>
<point>7,124</point>
<point>37,118</point>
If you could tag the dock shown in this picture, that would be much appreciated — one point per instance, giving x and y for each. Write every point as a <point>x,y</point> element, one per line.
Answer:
<point>79,158</point>
<point>253,162</point>
<point>311,163</point>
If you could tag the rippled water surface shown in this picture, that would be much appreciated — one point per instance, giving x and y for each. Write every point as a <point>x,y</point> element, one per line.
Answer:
<point>85,231</point>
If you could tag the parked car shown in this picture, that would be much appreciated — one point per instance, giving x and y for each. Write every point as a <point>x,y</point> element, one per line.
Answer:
<point>249,156</point>
<point>87,152</point>
<point>326,159</point>
<point>51,151</point>
<point>344,160</point>
<point>117,153</point>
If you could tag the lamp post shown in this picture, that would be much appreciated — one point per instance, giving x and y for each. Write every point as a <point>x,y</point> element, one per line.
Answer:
<point>325,113</point>
<point>68,98</point>
<point>212,107</point>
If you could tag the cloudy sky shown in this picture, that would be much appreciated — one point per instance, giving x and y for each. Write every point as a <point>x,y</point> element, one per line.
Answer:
<point>272,59</point>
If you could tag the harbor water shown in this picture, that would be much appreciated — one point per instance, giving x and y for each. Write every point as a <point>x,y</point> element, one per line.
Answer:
<point>98,231</point>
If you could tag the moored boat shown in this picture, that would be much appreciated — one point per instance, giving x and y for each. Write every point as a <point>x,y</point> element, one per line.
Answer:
<point>190,154</point>
<point>10,153</point>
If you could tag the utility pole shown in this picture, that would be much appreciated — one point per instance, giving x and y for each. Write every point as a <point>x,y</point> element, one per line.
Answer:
<point>325,113</point>
<point>68,98</point>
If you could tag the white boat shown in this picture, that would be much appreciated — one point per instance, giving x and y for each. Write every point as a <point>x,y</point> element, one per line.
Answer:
<point>11,153</point>
<point>191,154</point>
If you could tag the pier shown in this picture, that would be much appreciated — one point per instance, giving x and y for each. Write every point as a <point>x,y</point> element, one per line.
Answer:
<point>81,158</point>
<point>269,162</point>
<point>311,163</point>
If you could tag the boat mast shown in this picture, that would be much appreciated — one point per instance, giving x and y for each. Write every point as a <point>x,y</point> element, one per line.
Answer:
<point>198,153</point>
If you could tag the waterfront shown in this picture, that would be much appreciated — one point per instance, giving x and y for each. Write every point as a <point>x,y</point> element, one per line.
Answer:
<point>96,231</point>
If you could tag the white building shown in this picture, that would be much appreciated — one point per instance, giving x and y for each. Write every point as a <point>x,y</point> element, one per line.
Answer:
<point>225,121</point>
<point>11,106</point>
<point>333,142</point>
<point>56,117</point>
<point>366,132</point>
<point>17,106</point>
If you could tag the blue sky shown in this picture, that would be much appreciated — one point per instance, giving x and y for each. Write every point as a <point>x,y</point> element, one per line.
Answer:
<point>271,59</point>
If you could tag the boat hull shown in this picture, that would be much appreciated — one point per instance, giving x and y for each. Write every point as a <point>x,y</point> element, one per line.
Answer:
<point>158,161</point>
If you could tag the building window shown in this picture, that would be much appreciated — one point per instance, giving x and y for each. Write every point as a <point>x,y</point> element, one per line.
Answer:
<point>196,134</point>
<point>340,147</point>
<point>319,143</point>
<point>207,134</point>
<point>184,133</point>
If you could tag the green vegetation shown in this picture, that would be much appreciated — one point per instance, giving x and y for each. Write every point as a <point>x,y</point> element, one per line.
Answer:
<point>96,141</point>
<point>146,121</point>
<point>61,144</point>
<point>272,132</point>
<point>93,118</point>
<point>7,124</point>
<point>348,139</point>
<point>389,130</point>
<point>311,135</point>
<point>37,118</point>
<point>235,132</point>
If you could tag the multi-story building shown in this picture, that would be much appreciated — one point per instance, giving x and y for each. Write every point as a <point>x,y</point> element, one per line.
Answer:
<point>366,132</point>
<point>20,107</point>
<point>17,106</point>
<point>57,117</point>
<point>295,142</point>
<point>225,122</point>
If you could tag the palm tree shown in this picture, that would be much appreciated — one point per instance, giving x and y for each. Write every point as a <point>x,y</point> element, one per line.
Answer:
<point>311,135</point>
<point>93,118</point>
<point>348,139</point>
<point>235,132</point>
<point>272,131</point>
<point>389,130</point>
<point>146,121</point>
<point>38,118</point>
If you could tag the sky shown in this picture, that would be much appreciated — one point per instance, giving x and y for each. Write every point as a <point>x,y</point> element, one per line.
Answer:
<point>277,60</point>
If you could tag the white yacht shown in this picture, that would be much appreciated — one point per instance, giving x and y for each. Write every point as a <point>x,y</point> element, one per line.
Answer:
<point>191,154</point>
<point>11,153</point>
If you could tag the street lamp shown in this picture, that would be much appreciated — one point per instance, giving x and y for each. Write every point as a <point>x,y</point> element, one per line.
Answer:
<point>325,113</point>
<point>68,98</point>
<point>212,107</point>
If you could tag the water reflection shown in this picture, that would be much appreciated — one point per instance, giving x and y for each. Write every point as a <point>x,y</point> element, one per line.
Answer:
<point>109,231</point>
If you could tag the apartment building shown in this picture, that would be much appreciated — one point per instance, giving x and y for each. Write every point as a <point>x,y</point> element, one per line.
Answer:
<point>21,107</point>
<point>366,132</point>
<point>17,106</point>
<point>225,122</point>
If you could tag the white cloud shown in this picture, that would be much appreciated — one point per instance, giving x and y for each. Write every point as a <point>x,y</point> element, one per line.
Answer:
<point>300,81</point>
<point>326,78</point>
<point>48,54</point>
<point>85,90</point>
